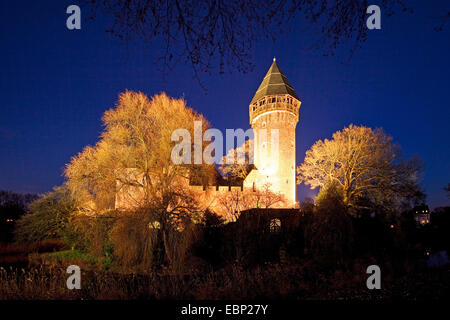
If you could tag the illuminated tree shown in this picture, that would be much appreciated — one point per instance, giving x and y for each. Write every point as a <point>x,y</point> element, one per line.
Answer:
<point>365,165</point>
<point>134,155</point>
<point>236,201</point>
<point>135,152</point>
<point>265,197</point>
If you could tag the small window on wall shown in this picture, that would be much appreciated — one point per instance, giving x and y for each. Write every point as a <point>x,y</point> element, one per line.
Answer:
<point>264,124</point>
<point>154,225</point>
<point>275,226</point>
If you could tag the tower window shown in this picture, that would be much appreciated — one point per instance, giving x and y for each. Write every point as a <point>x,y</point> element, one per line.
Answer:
<point>275,226</point>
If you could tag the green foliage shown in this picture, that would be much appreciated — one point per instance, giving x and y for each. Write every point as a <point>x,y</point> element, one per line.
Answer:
<point>47,217</point>
<point>74,238</point>
<point>79,258</point>
<point>72,255</point>
<point>330,196</point>
<point>107,263</point>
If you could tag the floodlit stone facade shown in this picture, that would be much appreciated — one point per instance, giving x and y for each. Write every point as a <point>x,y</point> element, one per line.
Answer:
<point>273,116</point>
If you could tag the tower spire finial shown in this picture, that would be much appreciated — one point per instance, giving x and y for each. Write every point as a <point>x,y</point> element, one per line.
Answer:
<point>274,59</point>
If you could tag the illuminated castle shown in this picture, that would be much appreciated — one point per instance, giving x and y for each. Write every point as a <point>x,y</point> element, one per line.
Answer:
<point>273,117</point>
<point>273,114</point>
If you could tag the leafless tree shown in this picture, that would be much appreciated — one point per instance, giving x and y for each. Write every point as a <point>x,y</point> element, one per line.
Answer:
<point>444,19</point>
<point>211,33</point>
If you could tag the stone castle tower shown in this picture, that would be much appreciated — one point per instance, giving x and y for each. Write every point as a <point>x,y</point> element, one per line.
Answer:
<point>274,113</point>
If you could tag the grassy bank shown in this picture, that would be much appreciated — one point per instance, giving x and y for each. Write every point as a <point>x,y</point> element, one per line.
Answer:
<point>70,257</point>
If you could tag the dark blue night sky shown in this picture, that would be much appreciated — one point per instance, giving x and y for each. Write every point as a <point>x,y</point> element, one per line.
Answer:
<point>55,84</point>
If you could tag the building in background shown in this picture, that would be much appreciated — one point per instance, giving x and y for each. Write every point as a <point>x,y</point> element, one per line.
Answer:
<point>422,214</point>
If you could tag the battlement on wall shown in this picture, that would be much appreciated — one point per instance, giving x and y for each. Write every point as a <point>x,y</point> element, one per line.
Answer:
<point>217,188</point>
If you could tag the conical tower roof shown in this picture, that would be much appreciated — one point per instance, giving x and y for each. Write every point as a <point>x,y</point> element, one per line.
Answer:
<point>275,82</point>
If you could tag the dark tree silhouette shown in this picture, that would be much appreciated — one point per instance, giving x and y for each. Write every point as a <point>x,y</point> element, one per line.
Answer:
<point>208,33</point>
<point>447,189</point>
<point>12,207</point>
<point>444,19</point>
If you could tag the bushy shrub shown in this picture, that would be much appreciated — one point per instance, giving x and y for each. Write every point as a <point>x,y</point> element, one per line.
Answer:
<point>47,217</point>
<point>74,238</point>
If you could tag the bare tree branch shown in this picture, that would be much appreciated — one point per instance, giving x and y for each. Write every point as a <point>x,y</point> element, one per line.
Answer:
<point>221,33</point>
